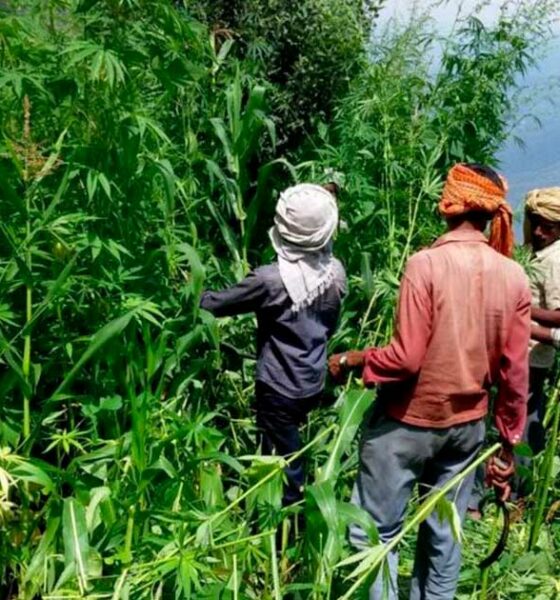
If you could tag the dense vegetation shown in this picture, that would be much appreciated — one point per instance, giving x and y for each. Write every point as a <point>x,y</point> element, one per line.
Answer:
<point>143,145</point>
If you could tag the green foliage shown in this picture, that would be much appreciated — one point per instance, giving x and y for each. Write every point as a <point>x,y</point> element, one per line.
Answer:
<point>309,51</point>
<point>142,145</point>
<point>394,142</point>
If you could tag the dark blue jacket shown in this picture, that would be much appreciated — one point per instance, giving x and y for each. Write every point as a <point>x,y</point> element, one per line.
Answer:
<point>291,346</point>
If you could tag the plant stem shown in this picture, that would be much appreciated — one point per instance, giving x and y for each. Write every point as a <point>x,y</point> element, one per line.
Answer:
<point>272,473</point>
<point>244,259</point>
<point>128,537</point>
<point>233,504</point>
<point>26,361</point>
<point>547,472</point>
<point>235,578</point>
<point>26,365</point>
<point>119,585</point>
<point>485,572</point>
<point>274,564</point>
<point>244,540</point>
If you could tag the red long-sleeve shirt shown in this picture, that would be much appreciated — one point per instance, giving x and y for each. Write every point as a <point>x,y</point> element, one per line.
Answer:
<point>463,325</point>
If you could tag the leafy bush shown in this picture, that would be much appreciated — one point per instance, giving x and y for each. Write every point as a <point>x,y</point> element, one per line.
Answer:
<point>308,51</point>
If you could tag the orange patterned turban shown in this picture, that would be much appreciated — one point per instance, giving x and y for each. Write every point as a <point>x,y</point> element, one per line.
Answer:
<point>467,191</point>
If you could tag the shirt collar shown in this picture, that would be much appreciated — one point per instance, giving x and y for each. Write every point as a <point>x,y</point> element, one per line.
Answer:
<point>549,250</point>
<point>462,235</point>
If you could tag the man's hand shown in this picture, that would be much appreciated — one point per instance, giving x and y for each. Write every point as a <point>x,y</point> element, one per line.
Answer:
<point>336,370</point>
<point>341,364</point>
<point>501,468</point>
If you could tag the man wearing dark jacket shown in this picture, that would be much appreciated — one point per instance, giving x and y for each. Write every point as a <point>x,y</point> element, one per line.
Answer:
<point>297,303</point>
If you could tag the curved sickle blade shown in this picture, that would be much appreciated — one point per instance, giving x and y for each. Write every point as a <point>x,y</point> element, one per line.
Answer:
<point>500,546</point>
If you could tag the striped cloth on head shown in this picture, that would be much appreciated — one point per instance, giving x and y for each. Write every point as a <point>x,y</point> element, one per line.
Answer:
<point>467,191</point>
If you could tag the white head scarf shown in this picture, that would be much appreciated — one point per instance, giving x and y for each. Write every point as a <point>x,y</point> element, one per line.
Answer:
<point>306,219</point>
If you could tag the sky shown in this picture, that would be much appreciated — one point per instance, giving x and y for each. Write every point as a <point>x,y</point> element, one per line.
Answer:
<point>537,163</point>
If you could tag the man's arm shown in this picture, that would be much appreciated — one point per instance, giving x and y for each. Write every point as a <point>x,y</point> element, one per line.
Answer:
<point>511,403</point>
<point>547,318</point>
<point>510,411</point>
<point>541,334</point>
<point>341,287</point>
<point>247,296</point>
<point>403,357</point>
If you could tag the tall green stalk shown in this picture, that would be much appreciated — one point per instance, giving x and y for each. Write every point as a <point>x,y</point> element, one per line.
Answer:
<point>26,360</point>
<point>546,475</point>
<point>486,572</point>
<point>274,566</point>
<point>26,363</point>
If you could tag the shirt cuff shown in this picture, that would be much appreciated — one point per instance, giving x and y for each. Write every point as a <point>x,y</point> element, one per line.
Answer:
<point>555,335</point>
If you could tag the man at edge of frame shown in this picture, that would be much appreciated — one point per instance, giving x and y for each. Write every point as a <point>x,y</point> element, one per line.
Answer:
<point>463,325</point>
<point>542,234</point>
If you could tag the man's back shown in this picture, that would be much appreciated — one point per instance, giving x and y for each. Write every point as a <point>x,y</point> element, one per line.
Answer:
<point>463,324</point>
<point>465,308</point>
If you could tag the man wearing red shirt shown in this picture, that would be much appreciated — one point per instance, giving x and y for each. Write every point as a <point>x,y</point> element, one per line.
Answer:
<point>463,325</point>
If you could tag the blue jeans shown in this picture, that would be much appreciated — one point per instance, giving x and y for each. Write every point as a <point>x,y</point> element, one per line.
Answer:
<point>394,458</point>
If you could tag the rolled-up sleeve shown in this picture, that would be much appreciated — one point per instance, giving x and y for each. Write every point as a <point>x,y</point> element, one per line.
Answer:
<point>247,296</point>
<point>511,403</point>
<point>403,357</point>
